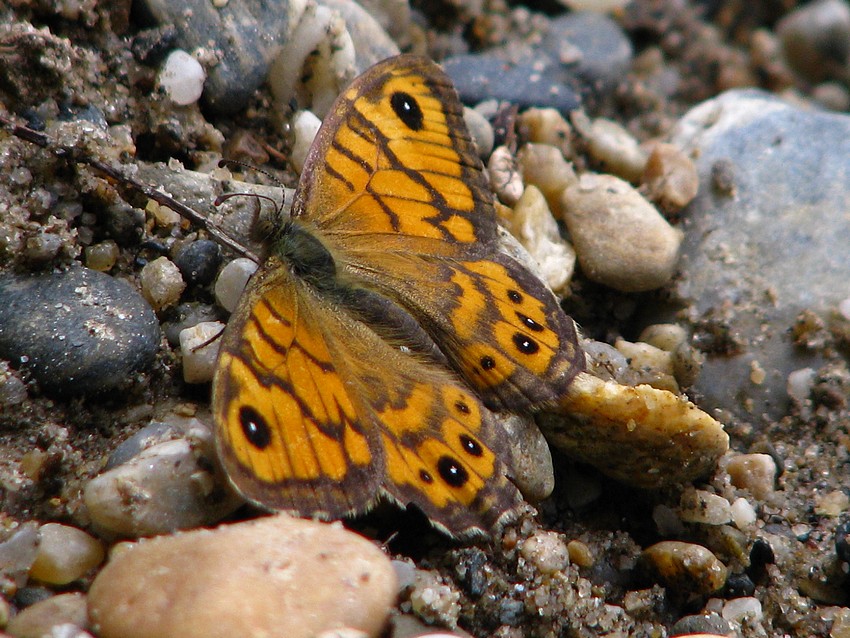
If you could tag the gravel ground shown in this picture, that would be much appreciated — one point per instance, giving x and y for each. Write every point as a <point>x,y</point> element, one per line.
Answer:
<point>786,571</point>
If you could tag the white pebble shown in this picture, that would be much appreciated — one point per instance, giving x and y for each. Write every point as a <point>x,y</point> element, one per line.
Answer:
<point>545,167</point>
<point>738,610</point>
<point>754,472</point>
<point>504,176</point>
<point>615,149</point>
<point>231,282</point>
<point>799,385</point>
<point>305,125</point>
<point>199,346</point>
<point>547,551</point>
<point>182,77</point>
<point>161,282</point>
<point>743,513</point>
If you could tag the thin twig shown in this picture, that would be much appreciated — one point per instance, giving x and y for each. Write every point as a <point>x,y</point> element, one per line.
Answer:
<point>118,174</point>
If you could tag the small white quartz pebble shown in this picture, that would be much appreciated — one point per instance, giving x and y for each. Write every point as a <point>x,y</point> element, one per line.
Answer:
<point>199,346</point>
<point>231,282</point>
<point>182,77</point>
<point>743,513</point>
<point>305,125</point>
<point>162,283</point>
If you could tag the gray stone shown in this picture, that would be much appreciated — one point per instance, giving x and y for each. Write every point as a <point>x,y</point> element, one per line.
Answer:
<point>78,332</point>
<point>769,242</point>
<point>244,34</point>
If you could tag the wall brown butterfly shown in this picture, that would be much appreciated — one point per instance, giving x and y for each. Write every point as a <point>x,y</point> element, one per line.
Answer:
<point>369,351</point>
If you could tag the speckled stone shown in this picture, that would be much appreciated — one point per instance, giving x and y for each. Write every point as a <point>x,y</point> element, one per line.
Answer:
<point>173,484</point>
<point>786,178</point>
<point>277,576</point>
<point>78,332</point>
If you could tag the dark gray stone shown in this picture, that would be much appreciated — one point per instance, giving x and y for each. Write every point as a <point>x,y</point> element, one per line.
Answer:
<point>479,77</point>
<point>245,34</point>
<point>78,332</point>
<point>198,262</point>
<point>771,240</point>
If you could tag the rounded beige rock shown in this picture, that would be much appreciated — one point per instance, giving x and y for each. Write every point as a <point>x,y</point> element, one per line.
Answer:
<point>621,240</point>
<point>65,554</point>
<point>276,576</point>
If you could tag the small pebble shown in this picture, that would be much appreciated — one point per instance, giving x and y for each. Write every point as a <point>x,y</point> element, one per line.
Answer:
<point>670,178</point>
<point>613,148</point>
<point>832,504</point>
<point>42,247</point>
<point>162,284</point>
<point>707,624</point>
<point>580,554</point>
<point>481,131</point>
<point>650,364</point>
<point>544,166</point>
<point>42,618</point>
<point>65,554</point>
<point>231,282</point>
<point>548,127</point>
<point>621,240</point>
<point>198,261</point>
<point>13,390</point>
<point>182,77</point>
<point>753,472</point>
<point>800,384</point>
<point>535,228</point>
<point>17,554</point>
<point>305,125</point>
<point>505,179</point>
<point>546,551</point>
<point>168,486</point>
<point>285,576</point>
<point>738,585</point>
<point>78,332</point>
<point>685,567</point>
<point>666,336</point>
<point>199,346</point>
<point>532,457</point>
<point>700,506</point>
<point>433,601</point>
<point>739,610</point>
<point>102,256</point>
<point>743,513</point>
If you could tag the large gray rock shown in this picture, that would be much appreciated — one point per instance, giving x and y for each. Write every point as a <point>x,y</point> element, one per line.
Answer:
<point>767,237</point>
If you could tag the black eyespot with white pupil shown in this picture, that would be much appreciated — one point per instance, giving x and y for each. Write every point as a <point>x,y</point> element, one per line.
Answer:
<point>408,110</point>
<point>254,427</point>
<point>452,472</point>
<point>471,446</point>
<point>529,323</point>
<point>524,344</point>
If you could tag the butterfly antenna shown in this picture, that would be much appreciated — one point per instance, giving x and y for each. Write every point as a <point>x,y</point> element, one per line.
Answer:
<point>119,175</point>
<point>224,162</point>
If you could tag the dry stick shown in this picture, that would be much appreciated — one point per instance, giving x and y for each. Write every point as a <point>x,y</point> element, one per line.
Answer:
<point>116,173</point>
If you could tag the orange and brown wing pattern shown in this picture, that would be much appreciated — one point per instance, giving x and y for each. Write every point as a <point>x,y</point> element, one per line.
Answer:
<point>319,415</point>
<point>394,158</point>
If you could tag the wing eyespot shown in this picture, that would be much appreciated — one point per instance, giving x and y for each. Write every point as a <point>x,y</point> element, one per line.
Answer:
<point>254,427</point>
<point>487,362</point>
<point>408,110</point>
<point>452,472</point>
<point>529,323</point>
<point>471,446</point>
<point>515,296</point>
<point>525,344</point>
<point>426,477</point>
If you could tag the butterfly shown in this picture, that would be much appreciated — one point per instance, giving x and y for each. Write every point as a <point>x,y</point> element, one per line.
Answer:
<point>369,353</point>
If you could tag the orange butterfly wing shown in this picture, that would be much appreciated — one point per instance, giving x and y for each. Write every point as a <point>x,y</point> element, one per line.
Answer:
<point>401,197</point>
